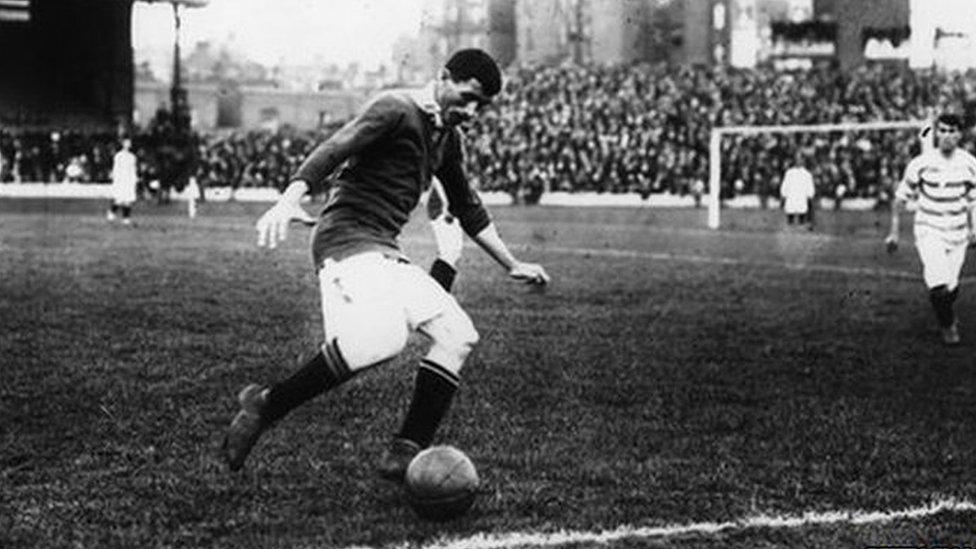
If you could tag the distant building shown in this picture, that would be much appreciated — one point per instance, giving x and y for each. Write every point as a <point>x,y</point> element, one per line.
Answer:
<point>227,106</point>
<point>864,20</point>
<point>502,29</point>
<point>791,33</point>
<point>540,31</point>
<point>617,30</point>
<point>449,25</point>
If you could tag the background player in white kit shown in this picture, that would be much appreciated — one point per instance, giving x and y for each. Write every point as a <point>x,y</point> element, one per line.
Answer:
<point>797,191</point>
<point>124,181</point>
<point>941,182</point>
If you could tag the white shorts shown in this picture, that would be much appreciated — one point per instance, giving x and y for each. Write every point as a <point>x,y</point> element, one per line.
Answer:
<point>941,260</point>
<point>371,303</point>
<point>123,193</point>
<point>795,206</point>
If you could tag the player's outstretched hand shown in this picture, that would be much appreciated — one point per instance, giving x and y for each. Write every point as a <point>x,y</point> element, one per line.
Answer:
<point>272,227</point>
<point>891,243</point>
<point>529,273</point>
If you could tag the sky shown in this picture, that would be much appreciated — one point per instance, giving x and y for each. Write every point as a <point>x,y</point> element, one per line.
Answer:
<point>343,31</point>
<point>269,31</point>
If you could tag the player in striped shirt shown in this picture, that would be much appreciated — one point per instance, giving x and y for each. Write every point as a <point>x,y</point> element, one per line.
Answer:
<point>941,183</point>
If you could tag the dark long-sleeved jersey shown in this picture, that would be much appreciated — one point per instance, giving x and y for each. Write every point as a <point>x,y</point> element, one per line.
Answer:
<point>390,151</point>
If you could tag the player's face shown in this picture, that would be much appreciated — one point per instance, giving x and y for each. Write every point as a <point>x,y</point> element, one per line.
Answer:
<point>947,137</point>
<point>461,100</point>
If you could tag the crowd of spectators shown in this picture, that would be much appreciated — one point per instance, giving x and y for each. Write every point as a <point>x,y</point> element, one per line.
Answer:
<point>646,129</point>
<point>253,159</point>
<point>55,156</point>
<point>228,159</point>
<point>616,129</point>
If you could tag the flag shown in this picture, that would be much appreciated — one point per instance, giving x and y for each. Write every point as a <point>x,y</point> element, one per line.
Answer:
<point>15,10</point>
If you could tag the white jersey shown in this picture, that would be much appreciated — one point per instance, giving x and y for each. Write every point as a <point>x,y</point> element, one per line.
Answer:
<point>124,177</point>
<point>943,189</point>
<point>796,190</point>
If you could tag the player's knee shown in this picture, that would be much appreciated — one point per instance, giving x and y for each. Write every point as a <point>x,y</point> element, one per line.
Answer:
<point>452,347</point>
<point>469,341</point>
<point>464,341</point>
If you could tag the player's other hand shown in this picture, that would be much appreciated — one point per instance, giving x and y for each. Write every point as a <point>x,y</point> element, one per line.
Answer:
<point>529,273</point>
<point>891,243</point>
<point>272,227</point>
<point>972,239</point>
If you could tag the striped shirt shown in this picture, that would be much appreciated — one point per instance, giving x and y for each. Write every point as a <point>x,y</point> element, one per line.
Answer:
<point>943,189</point>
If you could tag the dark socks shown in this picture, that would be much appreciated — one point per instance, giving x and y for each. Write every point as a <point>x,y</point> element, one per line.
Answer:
<point>443,273</point>
<point>942,303</point>
<point>326,370</point>
<point>433,393</point>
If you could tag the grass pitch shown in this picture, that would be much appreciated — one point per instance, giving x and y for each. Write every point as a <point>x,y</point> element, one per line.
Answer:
<point>669,375</point>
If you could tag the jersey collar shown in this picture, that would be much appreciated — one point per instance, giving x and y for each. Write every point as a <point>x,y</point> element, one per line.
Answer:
<point>425,101</point>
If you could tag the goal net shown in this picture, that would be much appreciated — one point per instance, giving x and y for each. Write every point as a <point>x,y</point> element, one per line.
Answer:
<point>724,141</point>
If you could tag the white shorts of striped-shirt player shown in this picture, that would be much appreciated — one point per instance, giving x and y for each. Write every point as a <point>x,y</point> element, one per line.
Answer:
<point>942,259</point>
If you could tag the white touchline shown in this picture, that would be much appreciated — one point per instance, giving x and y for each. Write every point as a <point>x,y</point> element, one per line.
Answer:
<point>664,256</point>
<point>563,537</point>
<point>714,260</point>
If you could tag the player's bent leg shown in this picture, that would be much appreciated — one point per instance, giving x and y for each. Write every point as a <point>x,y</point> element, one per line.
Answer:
<point>453,336</point>
<point>364,326</point>
<point>436,382</point>
<point>363,310</point>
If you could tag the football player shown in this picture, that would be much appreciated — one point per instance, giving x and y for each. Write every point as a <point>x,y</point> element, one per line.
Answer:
<point>124,181</point>
<point>371,295</point>
<point>941,182</point>
<point>798,192</point>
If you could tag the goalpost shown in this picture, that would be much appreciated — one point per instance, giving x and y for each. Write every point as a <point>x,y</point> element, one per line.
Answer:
<point>717,133</point>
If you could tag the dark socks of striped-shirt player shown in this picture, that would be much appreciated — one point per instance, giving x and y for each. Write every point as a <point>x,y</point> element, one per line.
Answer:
<point>942,300</point>
<point>324,371</point>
